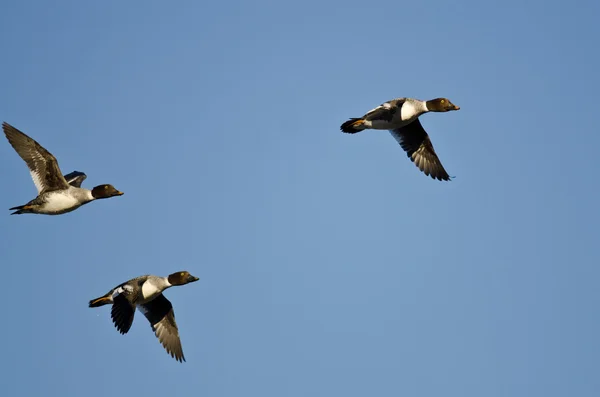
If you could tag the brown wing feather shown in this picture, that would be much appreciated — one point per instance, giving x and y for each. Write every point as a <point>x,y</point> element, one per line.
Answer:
<point>159,312</point>
<point>416,143</point>
<point>42,165</point>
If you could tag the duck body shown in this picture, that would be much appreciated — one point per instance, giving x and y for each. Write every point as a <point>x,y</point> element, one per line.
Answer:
<point>389,115</point>
<point>56,202</point>
<point>401,117</point>
<point>139,290</point>
<point>146,294</point>
<point>57,193</point>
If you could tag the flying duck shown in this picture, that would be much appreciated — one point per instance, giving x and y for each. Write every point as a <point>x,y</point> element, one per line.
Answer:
<point>145,293</point>
<point>57,194</point>
<point>401,117</point>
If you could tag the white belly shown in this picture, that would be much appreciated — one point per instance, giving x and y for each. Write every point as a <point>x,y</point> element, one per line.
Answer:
<point>59,202</point>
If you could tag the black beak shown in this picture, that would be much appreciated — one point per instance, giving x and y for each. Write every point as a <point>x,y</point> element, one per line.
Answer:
<point>191,279</point>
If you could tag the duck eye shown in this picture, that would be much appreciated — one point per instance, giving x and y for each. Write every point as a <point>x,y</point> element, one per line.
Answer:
<point>105,187</point>
<point>182,274</point>
<point>443,101</point>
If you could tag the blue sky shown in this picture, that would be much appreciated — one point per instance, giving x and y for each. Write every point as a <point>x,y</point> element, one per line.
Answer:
<point>329,264</point>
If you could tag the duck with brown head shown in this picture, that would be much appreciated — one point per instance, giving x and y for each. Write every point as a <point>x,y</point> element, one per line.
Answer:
<point>146,294</point>
<point>440,105</point>
<point>401,117</point>
<point>105,191</point>
<point>56,194</point>
<point>181,278</point>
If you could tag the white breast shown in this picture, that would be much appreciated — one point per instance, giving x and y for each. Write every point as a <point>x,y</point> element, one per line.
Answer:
<point>150,290</point>
<point>408,111</point>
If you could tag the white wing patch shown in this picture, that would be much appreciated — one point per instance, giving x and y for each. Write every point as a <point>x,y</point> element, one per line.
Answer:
<point>35,173</point>
<point>123,289</point>
<point>37,180</point>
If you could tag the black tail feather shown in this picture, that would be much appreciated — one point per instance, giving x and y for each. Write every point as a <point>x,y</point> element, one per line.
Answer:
<point>103,300</point>
<point>20,210</point>
<point>351,127</point>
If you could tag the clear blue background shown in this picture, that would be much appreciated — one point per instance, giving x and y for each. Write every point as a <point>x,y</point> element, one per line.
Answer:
<point>329,265</point>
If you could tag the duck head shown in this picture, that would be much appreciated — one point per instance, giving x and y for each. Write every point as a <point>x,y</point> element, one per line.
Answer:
<point>105,191</point>
<point>181,278</point>
<point>441,105</point>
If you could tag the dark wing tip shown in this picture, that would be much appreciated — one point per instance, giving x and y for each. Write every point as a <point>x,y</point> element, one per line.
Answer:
<point>415,141</point>
<point>178,356</point>
<point>9,129</point>
<point>168,335</point>
<point>432,167</point>
<point>161,316</point>
<point>437,171</point>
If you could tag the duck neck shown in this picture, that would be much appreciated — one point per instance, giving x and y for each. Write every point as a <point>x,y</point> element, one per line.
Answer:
<point>413,109</point>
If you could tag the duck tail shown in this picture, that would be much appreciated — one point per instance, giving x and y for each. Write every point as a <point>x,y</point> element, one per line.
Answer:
<point>103,300</point>
<point>353,126</point>
<point>21,209</point>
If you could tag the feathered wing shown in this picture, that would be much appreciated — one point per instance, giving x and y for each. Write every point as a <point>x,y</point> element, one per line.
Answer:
<point>42,164</point>
<point>385,111</point>
<point>75,178</point>
<point>159,313</point>
<point>416,143</point>
<point>122,313</point>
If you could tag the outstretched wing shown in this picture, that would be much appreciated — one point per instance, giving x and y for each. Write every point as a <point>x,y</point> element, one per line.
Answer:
<point>42,164</point>
<point>159,312</point>
<point>414,140</point>
<point>122,313</point>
